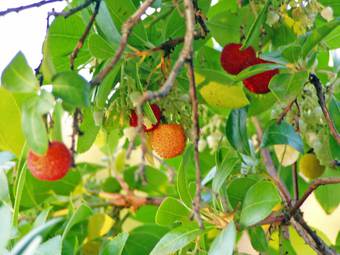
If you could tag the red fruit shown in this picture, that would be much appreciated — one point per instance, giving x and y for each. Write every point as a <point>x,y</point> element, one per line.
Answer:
<point>259,83</point>
<point>234,60</point>
<point>168,140</point>
<point>51,166</point>
<point>156,111</point>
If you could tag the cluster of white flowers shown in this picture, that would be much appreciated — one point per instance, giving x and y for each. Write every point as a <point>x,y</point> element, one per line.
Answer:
<point>211,134</point>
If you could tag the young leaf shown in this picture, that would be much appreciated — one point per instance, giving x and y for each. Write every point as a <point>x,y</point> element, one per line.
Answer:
<point>258,203</point>
<point>236,130</point>
<point>170,211</point>
<point>282,134</point>
<point>18,76</point>
<point>115,246</point>
<point>224,243</point>
<point>72,88</point>
<point>99,225</point>
<point>176,239</point>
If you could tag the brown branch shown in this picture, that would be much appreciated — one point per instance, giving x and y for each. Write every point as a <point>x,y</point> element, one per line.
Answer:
<point>29,6</point>
<point>295,182</point>
<point>196,138</point>
<point>72,11</point>
<point>313,186</point>
<point>82,39</point>
<point>322,102</point>
<point>273,218</point>
<point>200,18</point>
<point>285,111</point>
<point>126,30</point>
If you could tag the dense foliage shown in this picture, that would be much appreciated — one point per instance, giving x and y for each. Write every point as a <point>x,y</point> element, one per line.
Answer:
<point>138,196</point>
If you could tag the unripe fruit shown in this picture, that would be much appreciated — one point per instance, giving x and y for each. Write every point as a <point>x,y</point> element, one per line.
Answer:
<point>259,83</point>
<point>234,60</point>
<point>168,140</point>
<point>156,111</point>
<point>51,166</point>
<point>310,167</point>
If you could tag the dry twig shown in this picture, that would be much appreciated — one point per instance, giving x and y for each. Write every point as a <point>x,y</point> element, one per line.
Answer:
<point>29,6</point>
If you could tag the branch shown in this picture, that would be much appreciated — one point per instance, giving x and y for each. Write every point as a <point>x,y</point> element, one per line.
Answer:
<point>72,11</point>
<point>322,102</point>
<point>295,182</point>
<point>200,18</point>
<point>82,39</point>
<point>126,30</point>
<point>285,111</point>
<point>29,6</point>
<point>313,186</point>
<point>196,137</point>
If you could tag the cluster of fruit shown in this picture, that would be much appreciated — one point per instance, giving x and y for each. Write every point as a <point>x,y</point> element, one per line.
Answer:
<point>167,140</point>
<point>234,60</point>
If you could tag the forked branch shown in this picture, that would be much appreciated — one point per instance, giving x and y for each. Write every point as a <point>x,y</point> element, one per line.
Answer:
<point>29,6</point>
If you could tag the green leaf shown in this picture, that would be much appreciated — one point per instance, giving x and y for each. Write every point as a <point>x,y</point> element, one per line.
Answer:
<point>89,131</point>
<point>224,243</point>
<point>282,133</point>
<point>256,69</point>
<point>260,199</point>
<point>255,29</point>
<point>334,111</point>
<point>62,37</point>
<point>236,130</point>
<point>120,11</point>
<point>100,48</point>
<point>57,131</point>
<point>52,246</point>
<point>81,214</point>
<point>72,88</point>
<point>292,53</point>
<point>176,239</point>
<point>258,239</point>
<point>287,86</point>
<point>11,134</point>
<point>333,39</point>
<point>4,191</point>
<point>182,181</point>
<point>5,226</point>
<point>328,196</point>
<point>205,75</point>
<point>238,188</point>
<point>18,75</point>
<point>27,239</point>
<point>172,210</point>
<point>317,35</point>
<point>115,246</point>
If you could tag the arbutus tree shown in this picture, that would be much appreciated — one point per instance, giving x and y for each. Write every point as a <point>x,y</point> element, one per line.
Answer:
<point>212,120</point>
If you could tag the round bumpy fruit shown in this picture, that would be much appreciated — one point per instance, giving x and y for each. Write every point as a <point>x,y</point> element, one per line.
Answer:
<point>310,167</point>
<point>147,126</point>
<point>51,166</point>
<point>234,60</point>
<point>259,83</point>
<point>168,140</point>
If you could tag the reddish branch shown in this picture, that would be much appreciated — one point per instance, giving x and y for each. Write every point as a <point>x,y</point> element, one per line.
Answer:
<point>322,102</point>
<point>82,39</point>
<point>29,6</point>
<point>126,30</point>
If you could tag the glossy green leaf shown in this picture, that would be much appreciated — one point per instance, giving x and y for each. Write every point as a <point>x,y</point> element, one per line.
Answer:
<point>100,48</point>
<point>57,131</point>
<point>5,226</point>
<point>115,246</point>
<point>52,246</point>
<point>282,133</point>
<point>176,239</point>
<point>89,131</point>
<point>72,88</point>
<point>287,86</point>
<point>238,188</point>
<point>11,134</point>
<point>255,29</point>
<point>334,111</point>
<point>333,39</point>
<point>317,35</point>
<point>172,210</point>
<point>259,202</point>
<point>224,243</point>
<point>256,69</point>
<point>18,76</point>
<point>258,239</point>
<point>236,130</point>
<point>292,53</point>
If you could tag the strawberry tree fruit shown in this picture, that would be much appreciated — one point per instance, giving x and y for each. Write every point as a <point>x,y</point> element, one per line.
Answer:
<point>51,166</point>
<point>234,60</point>
<point>168,140</point>
<point>147,126</point>
<point>259,83</point>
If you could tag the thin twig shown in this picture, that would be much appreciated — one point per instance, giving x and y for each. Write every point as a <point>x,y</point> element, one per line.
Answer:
<point>313,186</point>
<point>196,138</point>
<point>126,30</point>
<point>29,6</point>
<point>75,132</point>
<point>82,39</point>
<point>285,111</point>
<point>295,182</point>
<point>72,11</point>
<point>200,18</point>
<point>322,102</point>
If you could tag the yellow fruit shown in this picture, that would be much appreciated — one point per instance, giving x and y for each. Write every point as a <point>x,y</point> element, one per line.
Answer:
<point>286,154</point>
<point>224,96</point>
<point>310,167</point>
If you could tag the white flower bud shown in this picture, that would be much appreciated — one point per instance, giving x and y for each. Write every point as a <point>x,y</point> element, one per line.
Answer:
<point>327,13</point>
<point>202,144</point>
